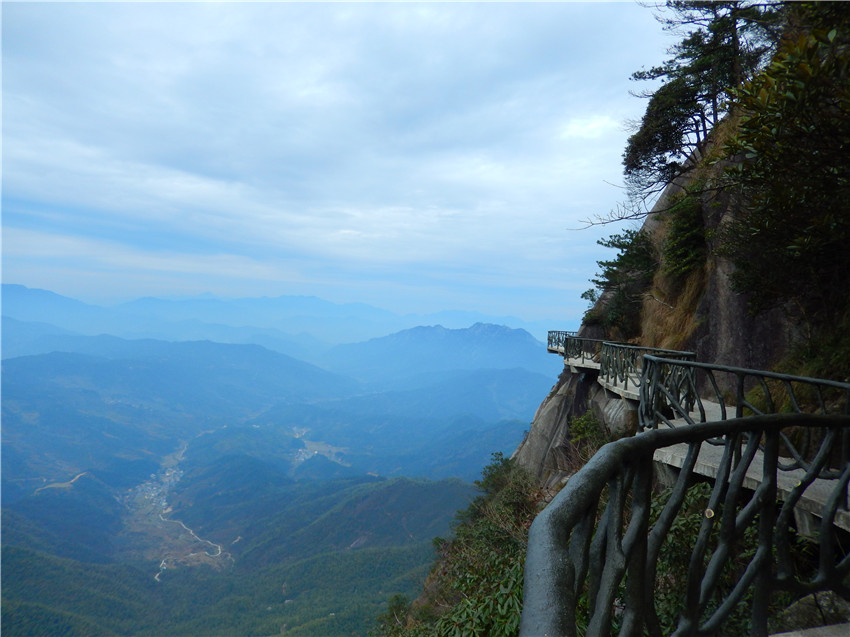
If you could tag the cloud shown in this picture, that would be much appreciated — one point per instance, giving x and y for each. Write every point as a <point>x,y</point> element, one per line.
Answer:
<point>311,139</point>
<point>98,255</point>
<point>592,127</point>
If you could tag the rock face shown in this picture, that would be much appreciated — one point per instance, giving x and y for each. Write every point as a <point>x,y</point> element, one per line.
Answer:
<point>819,609</point>
<point>725,331</point>
<point>545,450</point>
<point>702,314</point>
<point>542,452</point>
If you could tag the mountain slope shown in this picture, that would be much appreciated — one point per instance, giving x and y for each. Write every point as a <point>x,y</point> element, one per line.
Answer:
<point>435,349</point>
<point>64,413</point>
<point>299,547</point>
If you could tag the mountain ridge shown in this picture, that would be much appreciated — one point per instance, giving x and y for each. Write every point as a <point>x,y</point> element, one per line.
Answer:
<point>286,318</point>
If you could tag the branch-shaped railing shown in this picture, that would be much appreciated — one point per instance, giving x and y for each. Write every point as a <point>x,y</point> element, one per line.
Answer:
<point>583,350</point>
<point>556,339</point>
<point>621,365</point>
<point>669,391</point>
<point>584,577</point>
<point>669,397</point>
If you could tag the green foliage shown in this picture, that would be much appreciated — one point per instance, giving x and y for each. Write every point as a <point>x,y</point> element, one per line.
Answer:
<point>591,296</point>
<point>684,247</point>
<point>587,436</point>
<point>333,593</point>
<point>320,558</point>
<point>792,168</point>
<point>34,620</point>
<point>476,585</point>
<point>674,563</point>
<point>490,606</point>
<point>394,620</point>
<point>496,475</point>
<point>624,278</point>
<point>48,595</point>
<point>825,354</point>
<point>586,429</point>
<point>675,556</point>
<point>655,152</point>
<point>635,260</point>
<point>723,43</point>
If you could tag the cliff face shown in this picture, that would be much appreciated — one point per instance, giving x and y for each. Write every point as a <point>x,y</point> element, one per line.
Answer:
<point>545,452</point>
<point>700,313</point>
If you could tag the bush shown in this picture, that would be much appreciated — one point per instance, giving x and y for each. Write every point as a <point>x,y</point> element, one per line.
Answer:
<point>622,283</point>
<point>791,167</point>
<point>476,586</point>
<point>684,246</point>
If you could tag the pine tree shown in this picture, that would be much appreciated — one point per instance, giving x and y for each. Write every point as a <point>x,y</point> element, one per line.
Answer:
<point>723,43</point>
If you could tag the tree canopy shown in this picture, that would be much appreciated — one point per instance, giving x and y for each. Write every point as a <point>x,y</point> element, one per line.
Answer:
<point>791,167</point>
<point>723,43</point>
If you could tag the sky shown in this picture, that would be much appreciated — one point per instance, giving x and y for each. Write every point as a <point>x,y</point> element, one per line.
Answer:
<point>415,157</point>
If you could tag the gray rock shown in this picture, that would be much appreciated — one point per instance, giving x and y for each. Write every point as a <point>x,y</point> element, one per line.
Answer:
<point>820,609</point>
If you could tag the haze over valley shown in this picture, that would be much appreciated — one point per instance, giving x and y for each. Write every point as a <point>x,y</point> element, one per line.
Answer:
<point>210,475</point>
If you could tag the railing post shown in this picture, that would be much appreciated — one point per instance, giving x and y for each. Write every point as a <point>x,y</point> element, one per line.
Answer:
<point>648,394</point>
<point>763,582</point>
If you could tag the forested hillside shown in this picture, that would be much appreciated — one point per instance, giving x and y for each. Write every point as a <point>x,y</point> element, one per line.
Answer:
<point>743,259</point>
<point>153,487</point>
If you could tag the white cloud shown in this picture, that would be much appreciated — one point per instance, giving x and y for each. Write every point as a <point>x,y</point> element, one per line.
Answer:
<point>415,137</point>
<point>98,255</point>
<point>592,127</point>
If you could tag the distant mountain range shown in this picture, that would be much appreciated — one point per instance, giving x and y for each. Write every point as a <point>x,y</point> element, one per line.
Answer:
<point>158,481</point>
<point>425,350</point>
<point>295,325</point>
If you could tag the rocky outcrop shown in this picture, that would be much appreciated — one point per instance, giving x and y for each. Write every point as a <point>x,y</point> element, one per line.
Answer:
<point>701,314</point>
<point>545,451</point>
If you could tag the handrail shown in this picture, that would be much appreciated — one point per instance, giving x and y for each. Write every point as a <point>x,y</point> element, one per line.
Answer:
<point>756,392</point>
<point>621,364</point>
<point>570,346</point>
<point>583,350</point>
<point>556,338</point>
<point>669,392</point>
<point>569,566</point>
<point>772,453</point>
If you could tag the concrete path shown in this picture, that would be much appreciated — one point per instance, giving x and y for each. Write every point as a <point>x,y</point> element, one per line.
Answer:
<point>812,501</point>
<point>808,510</point>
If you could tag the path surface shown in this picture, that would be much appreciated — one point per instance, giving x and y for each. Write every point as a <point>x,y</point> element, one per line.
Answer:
<point>836,630</point>
<point>811,503</point>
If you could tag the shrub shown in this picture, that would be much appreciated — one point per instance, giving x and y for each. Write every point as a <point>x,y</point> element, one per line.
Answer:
<point>622,282</point>
<point>475,587</point>
<point>684,247</point>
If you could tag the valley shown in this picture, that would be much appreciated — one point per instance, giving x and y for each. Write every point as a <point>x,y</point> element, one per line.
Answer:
<point>155,487</point>
<point>148,534</point>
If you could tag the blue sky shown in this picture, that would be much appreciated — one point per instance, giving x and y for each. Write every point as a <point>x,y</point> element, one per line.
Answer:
<point>417,157</point>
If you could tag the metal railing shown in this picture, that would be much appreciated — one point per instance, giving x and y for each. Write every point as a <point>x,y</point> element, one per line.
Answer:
<point>669,393</point>
<point>569,345</point>
<point>584,577</point>
<point>583,350</point>
<point>556,339</point>
<point>622,365</point>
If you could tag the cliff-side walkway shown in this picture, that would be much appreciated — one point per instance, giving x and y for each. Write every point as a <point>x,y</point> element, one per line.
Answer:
<point>776,452</point>
<point>620,368</point>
